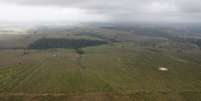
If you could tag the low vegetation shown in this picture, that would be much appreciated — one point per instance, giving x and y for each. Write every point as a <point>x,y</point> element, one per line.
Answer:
<point>114,65</point>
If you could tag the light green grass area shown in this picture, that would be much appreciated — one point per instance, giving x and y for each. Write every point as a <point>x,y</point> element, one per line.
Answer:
<point>114,72</point>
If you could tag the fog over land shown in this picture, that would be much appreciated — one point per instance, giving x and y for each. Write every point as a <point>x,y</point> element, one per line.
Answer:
<point>100,50</point>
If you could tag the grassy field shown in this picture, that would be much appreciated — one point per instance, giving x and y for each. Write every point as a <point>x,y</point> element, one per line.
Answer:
<point>113,72</point>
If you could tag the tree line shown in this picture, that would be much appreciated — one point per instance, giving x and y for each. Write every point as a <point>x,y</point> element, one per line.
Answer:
<point>47,43</point>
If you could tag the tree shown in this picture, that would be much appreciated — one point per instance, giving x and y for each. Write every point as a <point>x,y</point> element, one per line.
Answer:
<point>79,51</point>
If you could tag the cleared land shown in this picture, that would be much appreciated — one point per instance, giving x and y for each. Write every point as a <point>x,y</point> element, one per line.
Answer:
<point>113,72</point>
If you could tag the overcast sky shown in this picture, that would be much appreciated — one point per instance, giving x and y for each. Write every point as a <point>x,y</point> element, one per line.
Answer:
<point>100,10</point>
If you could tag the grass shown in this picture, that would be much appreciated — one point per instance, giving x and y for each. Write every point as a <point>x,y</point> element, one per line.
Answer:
<point>114,72</point>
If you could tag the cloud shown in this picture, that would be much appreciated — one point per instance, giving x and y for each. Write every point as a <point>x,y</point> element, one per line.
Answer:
<point>129,10</point>
<point>37,14</point>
